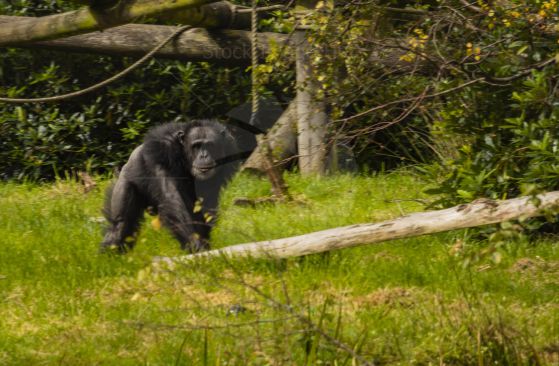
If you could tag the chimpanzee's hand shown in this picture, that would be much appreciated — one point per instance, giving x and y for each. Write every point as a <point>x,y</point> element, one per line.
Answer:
<point>198,244</point>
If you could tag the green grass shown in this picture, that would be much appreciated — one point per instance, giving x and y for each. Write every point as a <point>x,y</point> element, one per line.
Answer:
<point>404,302</point>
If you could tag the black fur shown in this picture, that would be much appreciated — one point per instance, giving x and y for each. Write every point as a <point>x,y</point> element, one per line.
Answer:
<point>167,174</point>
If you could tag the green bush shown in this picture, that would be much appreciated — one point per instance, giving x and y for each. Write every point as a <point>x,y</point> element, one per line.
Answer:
<point>97,131</point>
<point>510,142</point>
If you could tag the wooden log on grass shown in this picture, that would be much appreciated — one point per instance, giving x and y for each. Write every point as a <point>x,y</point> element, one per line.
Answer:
<point>478,213</point>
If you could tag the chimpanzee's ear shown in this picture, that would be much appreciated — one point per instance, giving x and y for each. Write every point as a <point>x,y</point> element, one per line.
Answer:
<point>180,137</point>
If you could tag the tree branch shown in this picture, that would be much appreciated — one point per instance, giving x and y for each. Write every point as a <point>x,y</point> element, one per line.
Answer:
<point>231,47</point>
<point>89,19</point>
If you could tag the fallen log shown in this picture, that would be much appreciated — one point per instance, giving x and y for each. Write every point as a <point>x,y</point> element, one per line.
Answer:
<point>478,213</point>
<point>230,47</point>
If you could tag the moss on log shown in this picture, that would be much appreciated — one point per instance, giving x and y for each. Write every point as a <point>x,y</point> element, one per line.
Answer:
<point>227,47</point>
<point>88,19</point>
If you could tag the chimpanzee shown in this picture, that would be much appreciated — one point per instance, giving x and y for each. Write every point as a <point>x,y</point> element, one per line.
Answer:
<point>177,165</point>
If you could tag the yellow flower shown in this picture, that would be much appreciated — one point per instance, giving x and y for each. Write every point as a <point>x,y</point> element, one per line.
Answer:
<point>408,57</point>
<point>156,223</point>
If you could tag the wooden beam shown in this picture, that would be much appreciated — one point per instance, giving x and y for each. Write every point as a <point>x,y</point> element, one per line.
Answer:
<point>89,19</point>
<point>478,213</point>
<point>230,47</point>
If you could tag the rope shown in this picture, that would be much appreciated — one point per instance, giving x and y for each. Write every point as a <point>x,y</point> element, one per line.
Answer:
<point>92,88</point>
<point>254,55</point>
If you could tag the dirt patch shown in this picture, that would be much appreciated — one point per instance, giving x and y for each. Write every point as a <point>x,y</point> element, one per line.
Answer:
<point>524,265</point>
<point>385,256</point>
<point>218,292</point>
<point>152,289</point>
<point>551,353</point>
<point>536,271</point>
<point>390,296</point>
<point>535,265</point>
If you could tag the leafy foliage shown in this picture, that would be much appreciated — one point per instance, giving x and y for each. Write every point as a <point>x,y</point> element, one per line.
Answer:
<point>470,90</point>
<point>504,128</point>
<point>512,144</point>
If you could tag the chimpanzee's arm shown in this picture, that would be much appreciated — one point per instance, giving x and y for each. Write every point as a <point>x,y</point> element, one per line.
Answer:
<point>175,206</point>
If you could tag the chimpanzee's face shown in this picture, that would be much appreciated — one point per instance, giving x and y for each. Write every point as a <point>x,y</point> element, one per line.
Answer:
<point>205,149</point>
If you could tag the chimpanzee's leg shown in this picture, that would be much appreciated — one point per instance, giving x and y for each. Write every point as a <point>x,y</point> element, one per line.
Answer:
<point>124,208</point>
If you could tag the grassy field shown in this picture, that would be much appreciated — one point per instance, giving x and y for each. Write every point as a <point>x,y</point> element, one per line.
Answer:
<point>426,300</point>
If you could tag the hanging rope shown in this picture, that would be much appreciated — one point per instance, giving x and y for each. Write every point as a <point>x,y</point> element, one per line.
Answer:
<point>254,56</point>
<point>106,82</point>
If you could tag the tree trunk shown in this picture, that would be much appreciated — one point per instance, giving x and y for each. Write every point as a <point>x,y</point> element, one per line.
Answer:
<point>311,114</point>
<point>282,139</point>
<point>478,213</point>
<point>89,19</point>
<point>231,47</point>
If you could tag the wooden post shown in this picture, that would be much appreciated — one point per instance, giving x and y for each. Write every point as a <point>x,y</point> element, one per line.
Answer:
<point>311,114</point>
